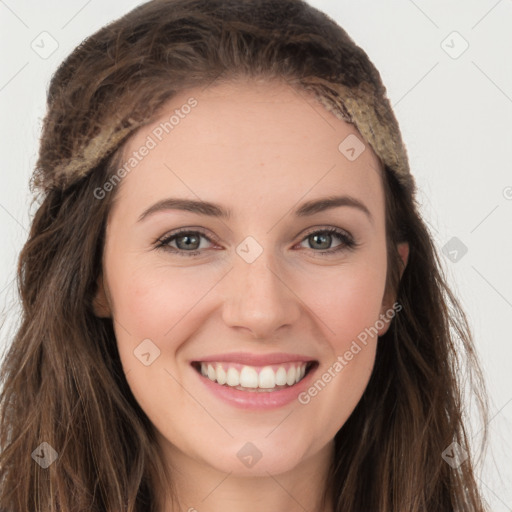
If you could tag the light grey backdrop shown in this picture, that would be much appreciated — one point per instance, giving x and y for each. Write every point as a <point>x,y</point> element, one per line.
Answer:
<point>447,67</point>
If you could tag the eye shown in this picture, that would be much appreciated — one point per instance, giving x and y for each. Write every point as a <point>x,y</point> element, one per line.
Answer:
<point>322,239</point>
<point>187,242</point>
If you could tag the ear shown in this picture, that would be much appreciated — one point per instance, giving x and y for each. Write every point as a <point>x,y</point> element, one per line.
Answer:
<point>389,310</point>
<point>100,303</point>
<point>403,251</point>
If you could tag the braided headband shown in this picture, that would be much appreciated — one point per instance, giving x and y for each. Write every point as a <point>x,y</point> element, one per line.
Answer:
<point>371,115</point>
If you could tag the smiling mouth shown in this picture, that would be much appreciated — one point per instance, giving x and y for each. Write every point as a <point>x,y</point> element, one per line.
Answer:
<point>255,378</point>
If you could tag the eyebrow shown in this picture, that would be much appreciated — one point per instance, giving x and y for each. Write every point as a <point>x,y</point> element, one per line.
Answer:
<point>214,210</point>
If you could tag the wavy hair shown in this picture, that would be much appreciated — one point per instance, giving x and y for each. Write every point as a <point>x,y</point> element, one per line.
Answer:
<point>62,379</point>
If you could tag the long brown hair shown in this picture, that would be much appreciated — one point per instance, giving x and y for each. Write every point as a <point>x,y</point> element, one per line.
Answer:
<point>63,383</point>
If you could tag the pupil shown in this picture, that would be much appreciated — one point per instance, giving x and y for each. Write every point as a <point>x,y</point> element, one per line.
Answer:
<point>188,238</point>
<point>325,237</point>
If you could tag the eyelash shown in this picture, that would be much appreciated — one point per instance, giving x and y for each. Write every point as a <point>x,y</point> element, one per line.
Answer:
<point>348,243</point>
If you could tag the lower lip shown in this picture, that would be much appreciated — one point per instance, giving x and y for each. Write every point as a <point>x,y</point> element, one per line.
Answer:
<point>257,399</point>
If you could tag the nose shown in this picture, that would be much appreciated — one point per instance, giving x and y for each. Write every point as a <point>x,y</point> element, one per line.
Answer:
<point>259,299</point>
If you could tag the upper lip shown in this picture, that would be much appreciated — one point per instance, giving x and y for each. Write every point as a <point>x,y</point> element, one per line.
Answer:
<point>255,359</point>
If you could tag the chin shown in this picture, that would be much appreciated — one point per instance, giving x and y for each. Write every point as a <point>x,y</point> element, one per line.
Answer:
<point>257,457</point>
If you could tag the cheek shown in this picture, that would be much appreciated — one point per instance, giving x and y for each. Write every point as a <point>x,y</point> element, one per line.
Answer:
<point>348,301</point>
<point>164,305</point>
<point>159,305</point>
<point>348,306</point>
<point>150,302</point>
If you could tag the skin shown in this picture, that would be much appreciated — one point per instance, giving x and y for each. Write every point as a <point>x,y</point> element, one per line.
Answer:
<point>260,149</point>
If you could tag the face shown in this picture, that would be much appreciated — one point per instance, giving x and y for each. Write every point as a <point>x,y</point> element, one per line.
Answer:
<point>246,327</point>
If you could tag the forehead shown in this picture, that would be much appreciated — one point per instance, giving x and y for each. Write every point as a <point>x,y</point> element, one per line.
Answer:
<point>244,142</point>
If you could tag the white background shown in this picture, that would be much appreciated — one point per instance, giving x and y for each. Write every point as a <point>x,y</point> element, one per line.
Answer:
<point>456,120</point>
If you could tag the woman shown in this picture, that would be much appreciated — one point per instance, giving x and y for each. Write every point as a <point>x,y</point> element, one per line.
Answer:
<point>186,344</point>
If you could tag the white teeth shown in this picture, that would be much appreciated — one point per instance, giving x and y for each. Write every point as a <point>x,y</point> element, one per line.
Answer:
<point>268,377</point>
<point>221,375</point>
<point>290,378</point>
<point>248,377</point>
<point>281,376</point>
<point>233,377</point>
